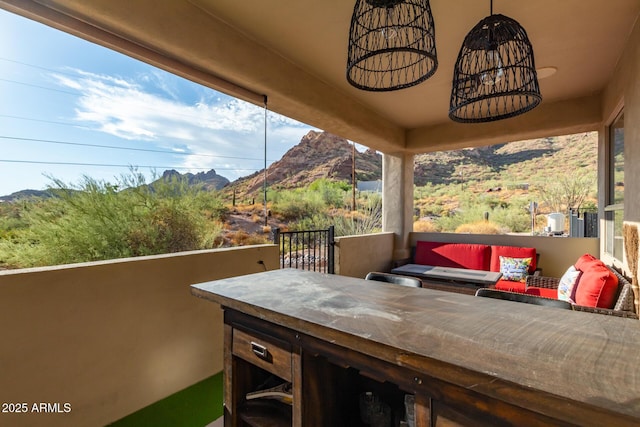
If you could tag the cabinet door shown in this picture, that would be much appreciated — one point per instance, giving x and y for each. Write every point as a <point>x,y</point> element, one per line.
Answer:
<point>253,360</point>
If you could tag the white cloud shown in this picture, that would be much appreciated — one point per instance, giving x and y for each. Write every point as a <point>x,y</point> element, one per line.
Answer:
<point>216,128</point>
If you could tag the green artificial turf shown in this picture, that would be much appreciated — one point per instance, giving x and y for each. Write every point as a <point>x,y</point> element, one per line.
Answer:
<point>195,406</point>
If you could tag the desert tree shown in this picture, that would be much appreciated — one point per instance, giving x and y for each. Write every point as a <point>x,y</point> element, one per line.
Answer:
<point>568,191</point>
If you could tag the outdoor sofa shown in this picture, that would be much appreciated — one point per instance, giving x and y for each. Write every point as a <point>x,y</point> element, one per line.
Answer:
<point>478,257</point>
<point>589,285</point>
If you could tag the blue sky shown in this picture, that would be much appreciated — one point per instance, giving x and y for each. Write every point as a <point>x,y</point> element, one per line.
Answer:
<point>59,94</point>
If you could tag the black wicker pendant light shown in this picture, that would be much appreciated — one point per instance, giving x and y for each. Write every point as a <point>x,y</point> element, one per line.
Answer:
<point>391,44</point>
<point>495,75</point>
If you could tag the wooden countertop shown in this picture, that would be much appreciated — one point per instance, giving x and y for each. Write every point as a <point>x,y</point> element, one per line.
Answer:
<point>554,361</point>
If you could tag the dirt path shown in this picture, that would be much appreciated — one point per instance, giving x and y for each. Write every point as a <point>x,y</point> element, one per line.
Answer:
<point>244,222</point>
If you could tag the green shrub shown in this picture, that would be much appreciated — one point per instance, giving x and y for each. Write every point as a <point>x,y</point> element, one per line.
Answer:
<point>332,192</point>
<point>479,227</point>
<point>514,219</point>
<point>293,205</point>
<point>319,221</point>
<point>424,226</point>
<point>98,220</point>
<point>367,219</point>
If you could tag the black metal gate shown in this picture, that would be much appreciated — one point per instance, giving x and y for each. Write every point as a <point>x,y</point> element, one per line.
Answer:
<point>311,250</point>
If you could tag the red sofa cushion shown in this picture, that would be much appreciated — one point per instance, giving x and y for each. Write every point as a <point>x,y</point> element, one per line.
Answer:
<point>512,252</point>
<point>456,255</point>
<point>597,287</point>
<point>510,285</point>
<point>542,292</point>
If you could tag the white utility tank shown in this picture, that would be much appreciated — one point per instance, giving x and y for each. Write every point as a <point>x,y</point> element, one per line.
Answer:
<point>555,223</point>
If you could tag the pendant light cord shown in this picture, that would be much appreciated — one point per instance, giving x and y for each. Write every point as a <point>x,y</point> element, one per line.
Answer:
<point>491,8</point>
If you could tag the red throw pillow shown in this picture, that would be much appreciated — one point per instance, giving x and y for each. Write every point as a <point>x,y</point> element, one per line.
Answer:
<point>512,252</point>
<point>597,286</point>
<point>585,261</point>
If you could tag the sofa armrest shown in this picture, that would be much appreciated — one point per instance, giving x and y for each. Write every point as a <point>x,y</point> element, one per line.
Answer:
<point>624,305</point>
<point>606,311</point>
<point>543,281</point>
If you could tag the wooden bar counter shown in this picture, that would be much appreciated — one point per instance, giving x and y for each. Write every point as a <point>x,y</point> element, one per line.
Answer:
<point>467,360</point>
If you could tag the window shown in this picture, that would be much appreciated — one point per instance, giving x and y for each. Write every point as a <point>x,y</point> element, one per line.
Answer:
<point>614,211</point>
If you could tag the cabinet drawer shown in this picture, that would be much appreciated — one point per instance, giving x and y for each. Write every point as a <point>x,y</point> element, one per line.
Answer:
<point>262,353</point>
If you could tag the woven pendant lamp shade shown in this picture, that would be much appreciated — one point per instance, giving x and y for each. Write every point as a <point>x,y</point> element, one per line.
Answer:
<point>391,44</point>
<point>495,75</point>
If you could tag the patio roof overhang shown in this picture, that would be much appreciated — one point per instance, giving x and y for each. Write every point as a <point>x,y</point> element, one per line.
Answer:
<point>295,53</point>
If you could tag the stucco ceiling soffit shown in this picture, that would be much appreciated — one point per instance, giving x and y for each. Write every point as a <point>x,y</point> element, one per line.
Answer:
<point>551,119</point>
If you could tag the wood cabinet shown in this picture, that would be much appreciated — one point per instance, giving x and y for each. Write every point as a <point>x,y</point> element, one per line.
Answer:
<point>328,380</point>
<point>335,338</point>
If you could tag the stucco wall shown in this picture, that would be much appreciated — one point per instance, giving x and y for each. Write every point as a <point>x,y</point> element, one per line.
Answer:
<point>112,337</point>
<point>556,253</point>
<point>358,255</point>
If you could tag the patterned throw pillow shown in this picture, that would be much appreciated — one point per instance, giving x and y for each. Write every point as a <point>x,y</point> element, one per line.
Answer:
<point>567,284</point>
<point>514,269</point>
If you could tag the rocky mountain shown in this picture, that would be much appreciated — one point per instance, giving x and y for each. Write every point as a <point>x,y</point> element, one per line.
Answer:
<point>209,180</point>
<point>525,161</point>
<point>318,155</point>
<point>26,194</point>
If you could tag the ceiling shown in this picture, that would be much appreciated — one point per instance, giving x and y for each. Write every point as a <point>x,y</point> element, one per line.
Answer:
<point>294,51</point>
<point>582,39</point>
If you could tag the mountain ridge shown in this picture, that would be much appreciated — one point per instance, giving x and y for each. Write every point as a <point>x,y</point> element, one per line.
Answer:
<point>323,155</point>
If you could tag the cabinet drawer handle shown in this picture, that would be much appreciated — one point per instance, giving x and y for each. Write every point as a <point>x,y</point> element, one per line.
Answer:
<point>260,350</point>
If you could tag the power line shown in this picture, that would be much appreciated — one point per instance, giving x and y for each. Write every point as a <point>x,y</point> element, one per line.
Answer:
<point>106,146</point>
<point>39,67</point>
<point>113,147</point>
<point>41,87</point>
<point>79,93</point>
<point>36,162</point>
<point>31,119</point>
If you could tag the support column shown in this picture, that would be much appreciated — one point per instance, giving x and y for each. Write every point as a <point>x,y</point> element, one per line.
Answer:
<point>397,200</point>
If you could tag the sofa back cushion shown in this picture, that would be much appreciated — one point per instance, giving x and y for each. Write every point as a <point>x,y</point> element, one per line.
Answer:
<point>512,252</point>
<point>456,255</point>
<point>597,286</point>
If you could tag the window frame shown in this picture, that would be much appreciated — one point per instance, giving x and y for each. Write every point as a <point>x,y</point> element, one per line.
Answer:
<point>613,209</point>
